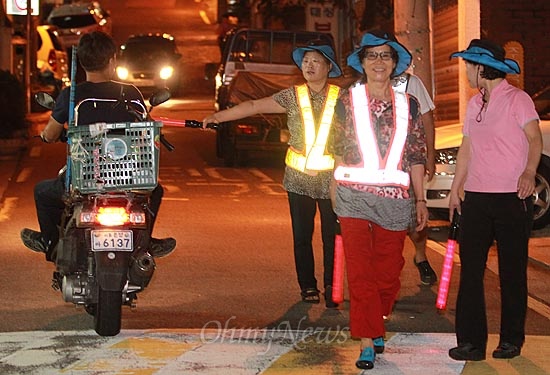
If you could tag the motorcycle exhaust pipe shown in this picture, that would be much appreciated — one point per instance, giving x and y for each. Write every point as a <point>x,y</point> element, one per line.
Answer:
<point>141,270</point>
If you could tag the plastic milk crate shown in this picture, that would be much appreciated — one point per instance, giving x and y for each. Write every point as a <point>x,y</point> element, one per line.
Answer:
<point>115,156</point>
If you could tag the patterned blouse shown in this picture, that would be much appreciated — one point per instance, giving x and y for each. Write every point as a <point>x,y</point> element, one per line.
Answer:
<point>294,181</point>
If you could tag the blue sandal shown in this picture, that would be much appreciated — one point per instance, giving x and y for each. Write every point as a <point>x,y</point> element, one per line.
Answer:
<point>378,345</point>
<point>366,359</point>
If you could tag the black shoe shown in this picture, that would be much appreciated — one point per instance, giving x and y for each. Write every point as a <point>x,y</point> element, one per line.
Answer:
<point>467,352</point>
<point>34,240</point>
<point>427,274</point>
<point>161,247</point>
<point>506,350</point>
<point>329,303</point>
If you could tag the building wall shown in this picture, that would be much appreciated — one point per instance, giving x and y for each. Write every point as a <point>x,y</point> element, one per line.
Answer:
<point>527,22</point>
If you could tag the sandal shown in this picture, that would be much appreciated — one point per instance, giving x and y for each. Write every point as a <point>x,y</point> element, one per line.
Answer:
<point>366,359</point>
<point>310,295</point>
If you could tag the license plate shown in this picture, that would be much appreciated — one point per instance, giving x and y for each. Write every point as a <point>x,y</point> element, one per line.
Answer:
<point>112,240</point>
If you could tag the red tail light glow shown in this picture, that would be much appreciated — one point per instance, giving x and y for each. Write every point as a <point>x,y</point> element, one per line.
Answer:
<point>112,216</point>
<point>246,129</point>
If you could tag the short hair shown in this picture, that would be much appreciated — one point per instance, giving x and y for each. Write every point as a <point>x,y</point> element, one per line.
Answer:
<point>94,51</point>
<point>489,73</point>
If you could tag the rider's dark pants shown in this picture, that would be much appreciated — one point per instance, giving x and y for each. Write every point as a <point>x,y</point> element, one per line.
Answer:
<point>48,198</point>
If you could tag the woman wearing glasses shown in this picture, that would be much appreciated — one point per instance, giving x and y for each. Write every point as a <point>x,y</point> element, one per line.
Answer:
<point>380,153</point>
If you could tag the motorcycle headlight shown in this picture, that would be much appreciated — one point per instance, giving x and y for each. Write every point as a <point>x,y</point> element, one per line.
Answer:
<point>166,72</point>
<point>122,72</point>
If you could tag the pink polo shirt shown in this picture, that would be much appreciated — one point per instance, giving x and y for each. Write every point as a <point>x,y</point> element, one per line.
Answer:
<point>499,146</point>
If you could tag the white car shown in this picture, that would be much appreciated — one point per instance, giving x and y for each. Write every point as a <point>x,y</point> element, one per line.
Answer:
<point>447,141</point>
<point>75,19</point>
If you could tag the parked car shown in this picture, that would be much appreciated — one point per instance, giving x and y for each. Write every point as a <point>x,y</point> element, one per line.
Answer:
<point>447,141</point>
<point>260,51</point>
<point>74,20</point>
<point>150,61</point>
<point>51,57</point>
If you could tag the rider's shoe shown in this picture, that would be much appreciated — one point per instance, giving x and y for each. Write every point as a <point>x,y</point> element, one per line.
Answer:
<point>34,240</point>
<point>161,247</point>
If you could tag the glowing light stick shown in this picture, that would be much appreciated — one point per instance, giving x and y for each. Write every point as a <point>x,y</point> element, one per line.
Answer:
<point>447,271</point>
<point>338,272</point>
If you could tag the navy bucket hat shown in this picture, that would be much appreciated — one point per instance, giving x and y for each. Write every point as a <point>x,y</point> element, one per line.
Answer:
<point>324,49</point>
<point>378,38</point>
<point>487,53</point>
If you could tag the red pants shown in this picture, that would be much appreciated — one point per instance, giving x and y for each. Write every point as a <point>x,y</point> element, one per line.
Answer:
<point>374,260</point>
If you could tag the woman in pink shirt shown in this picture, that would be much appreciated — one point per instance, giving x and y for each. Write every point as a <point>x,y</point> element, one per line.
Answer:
<point>496,167</point>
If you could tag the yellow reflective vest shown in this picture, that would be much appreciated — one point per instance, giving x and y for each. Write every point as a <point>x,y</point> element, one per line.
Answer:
<point>376,170</point>
<point>313,157</point>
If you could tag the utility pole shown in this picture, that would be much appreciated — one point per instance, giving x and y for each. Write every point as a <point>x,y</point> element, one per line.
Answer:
<point>28,57</point>
<point>413,28</point>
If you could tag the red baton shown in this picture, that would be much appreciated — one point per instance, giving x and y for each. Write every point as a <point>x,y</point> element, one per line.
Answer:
<point>447,271</point>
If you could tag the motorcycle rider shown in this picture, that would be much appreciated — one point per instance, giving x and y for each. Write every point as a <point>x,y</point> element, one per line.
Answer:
<point>97,55</point>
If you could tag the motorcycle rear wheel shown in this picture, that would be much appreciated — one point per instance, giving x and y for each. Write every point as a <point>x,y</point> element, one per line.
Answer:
<point>108,315</point>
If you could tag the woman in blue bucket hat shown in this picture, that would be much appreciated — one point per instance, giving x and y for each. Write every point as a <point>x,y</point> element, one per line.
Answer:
<point>496,166</point>
<point>380,153</point>
<point>310,109</point>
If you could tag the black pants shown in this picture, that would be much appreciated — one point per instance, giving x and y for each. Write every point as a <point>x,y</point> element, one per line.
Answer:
<point>48,198</point>
<point>487,217</point>
<point>302,213</point>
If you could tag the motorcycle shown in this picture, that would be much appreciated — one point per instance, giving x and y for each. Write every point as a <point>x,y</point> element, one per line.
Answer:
<point>102,260</point>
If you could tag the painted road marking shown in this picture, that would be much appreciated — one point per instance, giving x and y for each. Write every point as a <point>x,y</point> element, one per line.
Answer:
<point>248,351</point>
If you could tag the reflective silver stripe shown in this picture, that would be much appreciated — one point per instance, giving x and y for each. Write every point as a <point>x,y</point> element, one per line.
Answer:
<point>374,169</point>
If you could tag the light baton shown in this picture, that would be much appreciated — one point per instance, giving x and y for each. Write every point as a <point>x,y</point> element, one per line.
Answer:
<point>447,271</point>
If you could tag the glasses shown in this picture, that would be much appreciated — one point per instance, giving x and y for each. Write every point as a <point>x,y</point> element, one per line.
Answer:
<point>385,56</point>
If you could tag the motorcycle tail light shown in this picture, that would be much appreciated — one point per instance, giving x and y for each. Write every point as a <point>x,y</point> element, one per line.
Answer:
<point>112,216</point>
<point>137,218</point>
<point>87,217</point>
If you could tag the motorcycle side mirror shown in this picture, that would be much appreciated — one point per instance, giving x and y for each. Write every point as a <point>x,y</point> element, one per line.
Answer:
<point>44,99</point>
<point>159,97</point>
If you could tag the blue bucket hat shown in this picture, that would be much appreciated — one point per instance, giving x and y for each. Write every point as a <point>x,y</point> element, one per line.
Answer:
<point>378,38</point>
<point>324,49</point>
<point>487,53</point>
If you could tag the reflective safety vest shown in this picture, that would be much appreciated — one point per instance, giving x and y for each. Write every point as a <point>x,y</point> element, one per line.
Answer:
<point>313,157</point>
<point>376,170</point>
